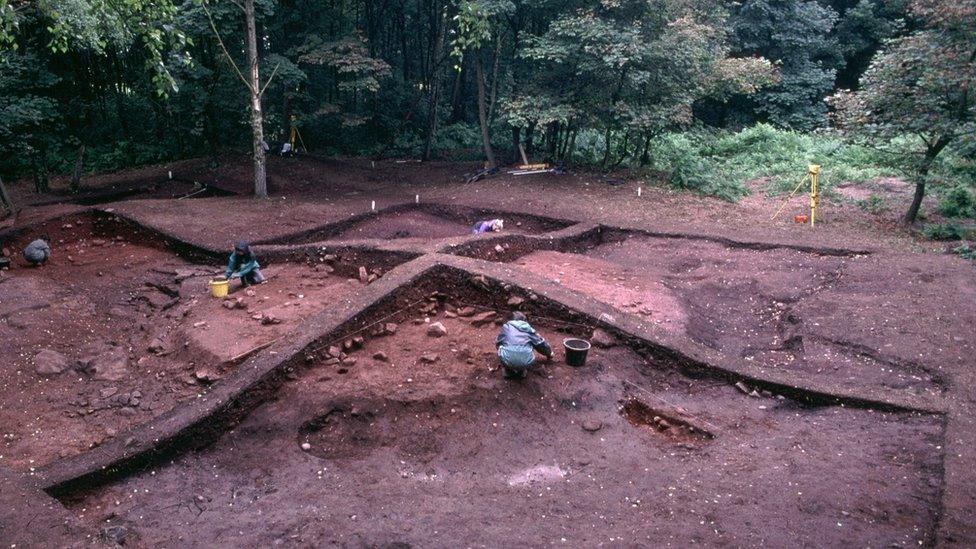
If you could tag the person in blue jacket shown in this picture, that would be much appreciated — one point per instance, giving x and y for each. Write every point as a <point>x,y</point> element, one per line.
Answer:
<point>517,344</point>
<point>487,226</point>
<point>242,264</point>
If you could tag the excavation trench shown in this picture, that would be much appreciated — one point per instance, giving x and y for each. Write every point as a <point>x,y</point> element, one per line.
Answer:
<point>376,410</point>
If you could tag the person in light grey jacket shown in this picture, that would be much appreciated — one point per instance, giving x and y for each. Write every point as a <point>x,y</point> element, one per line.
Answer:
<point>37,252</point>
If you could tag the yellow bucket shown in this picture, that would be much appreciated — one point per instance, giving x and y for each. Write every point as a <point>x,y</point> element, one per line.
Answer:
<point>218,287</point>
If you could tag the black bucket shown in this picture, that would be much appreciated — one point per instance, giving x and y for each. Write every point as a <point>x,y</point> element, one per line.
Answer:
<point>576,350</point>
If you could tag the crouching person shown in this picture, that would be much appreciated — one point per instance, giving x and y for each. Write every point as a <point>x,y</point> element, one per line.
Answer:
<point>242,264</point>
<point>37,252</point>
<point>517,344</point>
<point>488,226</point>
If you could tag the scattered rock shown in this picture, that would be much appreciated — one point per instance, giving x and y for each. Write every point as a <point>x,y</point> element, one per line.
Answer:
<point>390,328</point>
<point>268,318</point>
<point>515,301</point>
<point>112,365</point>
<point>116,534</point>
<point>742,387</point>
<point>206,376</point>
<point>358,342</point>
<point>128,411</point>
<point>334,351</point>
<point>6,252</point>
<point>108,391</point>
<point>450,314</point>
<point>436,330</point>
<point>156,346</point>
<point>480,281</point>
<point>228,304</point>
<point>98,242</point>
<point>372,278</point>
<point>498,248</point>
<point>381,356</point>
<point>592,425</point>
<point>306,446</point>
<point>483,318</point>
<point>600,338</point>
<point>48,363</point>
<point>348,361</point>
<point>363,275</point>
<point>466,311</point>
<point>429,358</point>
<point>250,293</point>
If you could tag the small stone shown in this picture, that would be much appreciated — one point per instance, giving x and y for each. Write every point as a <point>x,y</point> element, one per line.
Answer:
<point>436,329</point>
<point>498,248</point>
<point>228,303</point>
<point>108,391</point>
<point>450,314</point>
<point>349,361</point>
<point>466,311</point>
<point>390,328</point>
<point>206,376</point>
<point>429,358</point>
<point>156,346</point>
<point>592,425</point>
<point>267,319</point>
<point>372,278</point>
<point>334,351</point>
<point>742,387</point>
<point>250,293</point>
<point>98,242</point>
<point>116,535</point>
<point>483,318</point>
<point>306,446</point>
<point>381,356</point>
<point>128,411</point>
<point>515,301</point>
<point>358,342</point>
<point>363,275</point>
<point>48,363</point>
<point>601,338</point>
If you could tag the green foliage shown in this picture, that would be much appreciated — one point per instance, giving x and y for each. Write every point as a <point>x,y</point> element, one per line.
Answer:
<point>943,231</point>
<point>679,158</point>
<point>965,251</point>
<point>796,34</point>
<point>920,86</point>
<point>873,204</point>
<point>782,156</point>
<point>958,201</point>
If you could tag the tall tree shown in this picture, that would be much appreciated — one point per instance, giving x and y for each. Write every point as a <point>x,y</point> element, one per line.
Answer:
<point>797,36</point>
<point>921,86</point>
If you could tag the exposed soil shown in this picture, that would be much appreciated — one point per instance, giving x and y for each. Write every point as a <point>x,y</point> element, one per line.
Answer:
<point>555,458</point>
<point>135,331</point>
<point>441,450</point>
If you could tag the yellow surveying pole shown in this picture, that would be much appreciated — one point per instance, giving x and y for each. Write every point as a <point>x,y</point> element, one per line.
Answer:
<point>813,170</point>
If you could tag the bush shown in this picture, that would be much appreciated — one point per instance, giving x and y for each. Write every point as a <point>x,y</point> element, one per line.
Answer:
<point>782,156</point>
<point>873,204</point>
<point>679,158</point>
<point>965,251</point>
<point>958,202</point>
<point>943,231</point>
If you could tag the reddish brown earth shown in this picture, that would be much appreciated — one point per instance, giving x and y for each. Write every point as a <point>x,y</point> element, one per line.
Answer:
<point>775,473</point>
<point>510,465</point>
<point>105,299</point>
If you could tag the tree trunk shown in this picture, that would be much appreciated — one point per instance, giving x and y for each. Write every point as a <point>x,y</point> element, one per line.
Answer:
<point>457,96</point>
<point>606,147</point>
<point>5,201</point>
<point>482,114</point>
<point>257,118</point>
<point>39,169</point>
<point>931,152</point>
<point>79,167</point>
<point>516,141</point>
<point>434,95</point>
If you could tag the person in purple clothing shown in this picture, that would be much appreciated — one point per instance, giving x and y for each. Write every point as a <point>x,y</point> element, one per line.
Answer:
<point>489,225</point>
